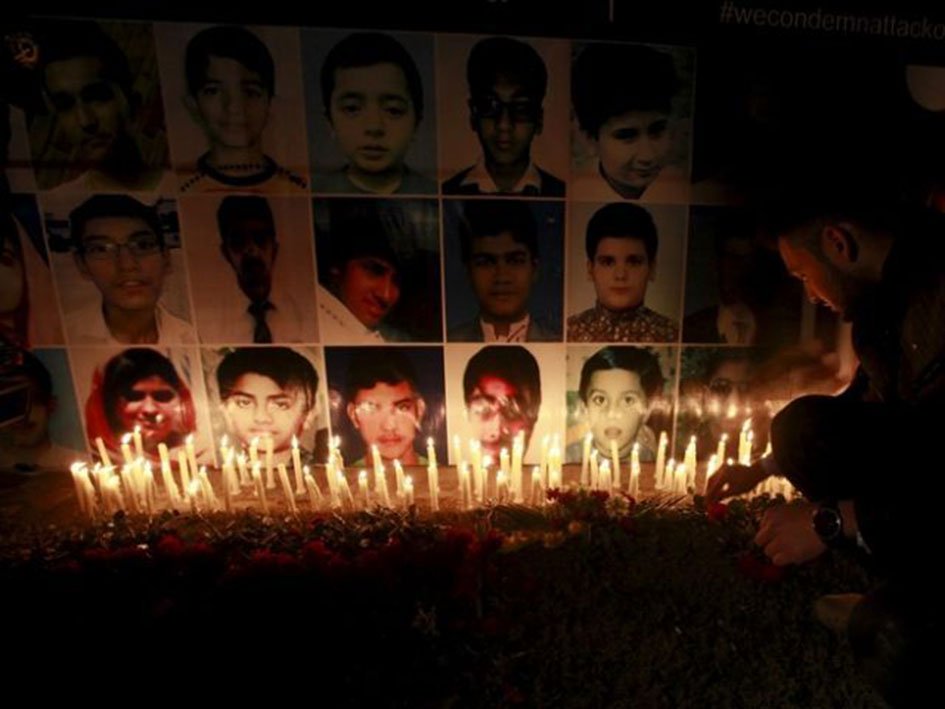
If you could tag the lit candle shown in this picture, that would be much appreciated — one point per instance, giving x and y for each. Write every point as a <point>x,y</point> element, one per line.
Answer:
<point>376,459</point>
<point>287,489</point>
<point>408,491</point>
<point>465,485</point>
<point>184,473</point>
<point>207,490</point>
<point>606,483</point>
<point>314,494</point>
<point>270,464</point>
<point>380,486</point>
<point>543,458</point>
<point>518,452</point>
<point>363,489</point>
<point>635,469</point>
<point>260,488</point>
<point>193,492</point>
<point>661,459</point>
<point>595,471</point>
<point>149,496</point>
<point>102,452</point>
<point>244,473</point>
<point>431,451</point>
<point>689,458</point>
<point>345,489</point>
<point>457,450</point>
<point>720,449</point>
<point>297,467</point>
<point>504,461</point>
<point>224,446</point>
<point>399,479</point>
<point>501,487</point>
<point>433,483</point>
<point>680,478</point>
<point>744,450</point>
<point>126,453</point>
<point>75,469</point>
<point>586,459</point>
<point>253,452</point>
<point>710,469</point>
<point>615,458</point>
<point>139,444</point>
<point>668,480</point>
<point>191,455</point>
<point>538,494</point>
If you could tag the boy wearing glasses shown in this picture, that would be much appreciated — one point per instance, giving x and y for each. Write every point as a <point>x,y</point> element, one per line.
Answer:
<point>119,246</point>
<point>384,404</point>
<point>507,82</point>
<point>502,391</point>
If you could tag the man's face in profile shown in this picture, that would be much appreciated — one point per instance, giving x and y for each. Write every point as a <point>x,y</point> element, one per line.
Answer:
<point>232,104</point>
<point>250,248</point>
<point>497,414</point>
<point>620,271</point>
<point>125,260</point>
<point>91,110</point>
<point>616,409</point>
<point>369,286</point>
<point>155,406</point>
<point>506,121</point>
<point>502,272</point>
<point>634,147</point>
<point>388,416</point>
<point>372,117</point>
<point>258,407</point>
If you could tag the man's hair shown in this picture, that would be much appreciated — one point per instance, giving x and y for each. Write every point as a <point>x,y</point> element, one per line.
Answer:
<point>369,366</point>
<point>609,80</point>
<point>228,42</point>
<point>234,209</point>
<point>491,217</point>
<point>512,363</point>
<point>641,362</point>
<point>621,220</point>
<point>363,49</point>
<point>286,367</point>
<point>105,206</point>
<point>503,57</point>
<point>62,41</point>
<point>362,231</point>
<point>126,369</point>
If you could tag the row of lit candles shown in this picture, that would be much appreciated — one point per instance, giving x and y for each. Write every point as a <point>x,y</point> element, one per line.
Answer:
<point>108,488</point>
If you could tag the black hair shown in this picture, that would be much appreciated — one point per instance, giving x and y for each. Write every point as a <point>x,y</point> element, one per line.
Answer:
<point>112,205</point>
<point>286,367</point>
<point>369,365</point>
<point>62,41</point>
<point>367,49</point>
<point>234,209</point>
<point>35,371</point>
<point>633,359</point>
<point>126,369</point>
<point>514,364</point>
<point>491,217</point>
<point>621,220</point>
<point>609,80</point>
<point>229,42</point>
<point>512,59</point>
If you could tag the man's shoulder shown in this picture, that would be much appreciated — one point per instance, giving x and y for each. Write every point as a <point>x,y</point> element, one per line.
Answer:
<point>540,331</point>
<point>551,186</point>
<point>454,185</point>
<point>469,331</point>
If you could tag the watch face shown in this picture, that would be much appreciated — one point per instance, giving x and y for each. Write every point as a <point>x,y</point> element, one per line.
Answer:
<point>827,523</point>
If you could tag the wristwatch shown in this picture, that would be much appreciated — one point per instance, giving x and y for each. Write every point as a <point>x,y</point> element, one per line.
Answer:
<point>828,523</point>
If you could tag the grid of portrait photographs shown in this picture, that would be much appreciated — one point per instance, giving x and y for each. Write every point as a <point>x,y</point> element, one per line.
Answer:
<point>391,238</point>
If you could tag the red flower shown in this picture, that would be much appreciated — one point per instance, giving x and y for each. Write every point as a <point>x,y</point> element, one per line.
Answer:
<point>716,512</point>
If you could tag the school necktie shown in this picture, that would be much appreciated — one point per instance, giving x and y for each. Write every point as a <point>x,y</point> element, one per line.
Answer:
<point>261,331</point>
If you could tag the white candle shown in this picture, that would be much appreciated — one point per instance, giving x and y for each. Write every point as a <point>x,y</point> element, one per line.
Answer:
<point>518,452</point>
<point>538,494</point>
<point>668,480</point>
<point>431,451</point>
<point>635,469</point>
<point>586,459</point>
<point>501,487</point>
<point>433,483</point>
<point>720,449</point>
<point>314,494</point>
<point>126,453</point>
<point>270,464</point>
<point>297,467</point>
<point>399,479</point>
<point>139,444</point>
<point>184,473</point>
<point>102,451</point>
<point>457,450</point>
<point>345,490</point>
<point>376,459</point>
<point>504,461</point>
<point>465,486</point>
<point>260,488</point>
<point>244,473</point>
<point>253,452</point>
<point>661,459</point>
<point>595,471</point>
<point>191,454</point>
<point>380,486</point>
<point>689,459</point>
<point>207,490</point>
<point>287,489</point>
<point>615,458</point>
<point>79,489</point>
<point>408,491</point>
<point>606,482</point>
<point>363,489</point>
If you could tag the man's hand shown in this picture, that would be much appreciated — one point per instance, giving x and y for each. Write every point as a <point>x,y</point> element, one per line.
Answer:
<point>787,534</point>
<point>733,480</point>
